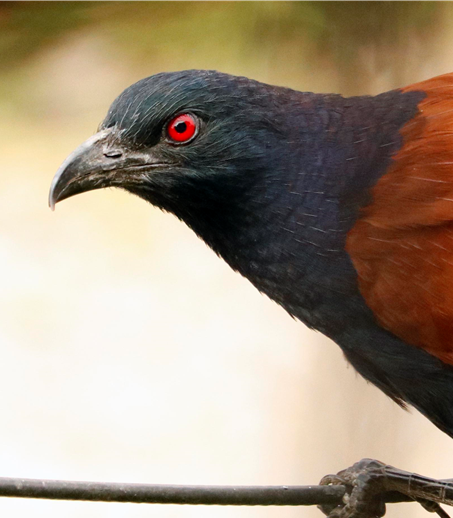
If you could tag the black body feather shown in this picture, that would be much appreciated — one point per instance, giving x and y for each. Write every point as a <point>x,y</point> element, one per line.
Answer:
<point>273,183</point>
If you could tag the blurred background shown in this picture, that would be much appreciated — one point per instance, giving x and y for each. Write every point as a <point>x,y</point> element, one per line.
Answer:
<point>129,351</point>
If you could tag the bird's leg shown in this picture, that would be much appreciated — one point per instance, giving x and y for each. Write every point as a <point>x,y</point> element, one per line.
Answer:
<point>370,484</point>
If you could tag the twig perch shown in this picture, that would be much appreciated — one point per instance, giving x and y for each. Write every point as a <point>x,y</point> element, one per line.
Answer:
<point>170,494</point>
<point>360,491</point>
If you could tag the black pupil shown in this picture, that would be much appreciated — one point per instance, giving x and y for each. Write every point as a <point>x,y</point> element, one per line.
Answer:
<point>181,127</point>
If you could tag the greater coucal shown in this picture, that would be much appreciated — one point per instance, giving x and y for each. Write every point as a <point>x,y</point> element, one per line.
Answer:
<point>339,209</point>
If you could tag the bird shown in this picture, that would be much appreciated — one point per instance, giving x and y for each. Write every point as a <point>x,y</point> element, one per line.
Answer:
<point>339,209</point>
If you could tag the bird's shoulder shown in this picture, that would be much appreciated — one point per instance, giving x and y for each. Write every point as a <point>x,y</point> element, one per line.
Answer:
<point>402,243</point>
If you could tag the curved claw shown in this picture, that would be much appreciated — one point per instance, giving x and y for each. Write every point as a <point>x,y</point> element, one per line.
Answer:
<point>370,484</point>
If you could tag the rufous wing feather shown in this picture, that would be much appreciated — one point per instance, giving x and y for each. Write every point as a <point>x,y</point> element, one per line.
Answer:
<point>402,243</point>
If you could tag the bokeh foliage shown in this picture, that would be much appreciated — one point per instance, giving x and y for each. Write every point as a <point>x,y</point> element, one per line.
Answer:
<point>140,29</point>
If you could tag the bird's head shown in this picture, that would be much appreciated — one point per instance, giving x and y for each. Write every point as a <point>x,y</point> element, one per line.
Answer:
<point>191,142</point>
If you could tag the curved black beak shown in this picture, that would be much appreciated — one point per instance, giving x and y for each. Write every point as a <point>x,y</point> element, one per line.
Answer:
<point>77,172</point>
<point>101,161</point>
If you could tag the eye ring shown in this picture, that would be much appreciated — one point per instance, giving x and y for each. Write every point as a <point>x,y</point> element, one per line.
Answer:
<point>182,129</point>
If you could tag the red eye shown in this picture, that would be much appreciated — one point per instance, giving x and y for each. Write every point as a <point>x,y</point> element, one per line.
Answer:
<point>182,128</point>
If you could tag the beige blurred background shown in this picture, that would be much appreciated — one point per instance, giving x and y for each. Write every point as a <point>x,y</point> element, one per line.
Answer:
<point>129,351</point>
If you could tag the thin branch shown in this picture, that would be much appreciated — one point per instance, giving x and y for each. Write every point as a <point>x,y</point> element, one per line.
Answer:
<point>169,494</point>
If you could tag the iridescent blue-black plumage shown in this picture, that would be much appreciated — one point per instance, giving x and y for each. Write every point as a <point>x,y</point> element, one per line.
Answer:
<point>274,182</point>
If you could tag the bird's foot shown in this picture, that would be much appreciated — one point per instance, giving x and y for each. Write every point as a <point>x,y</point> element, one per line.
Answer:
<point>370,484</point>
<point>363,482</point>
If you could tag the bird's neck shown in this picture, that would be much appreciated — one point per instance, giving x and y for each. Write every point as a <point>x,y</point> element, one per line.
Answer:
<point>284,225</point>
